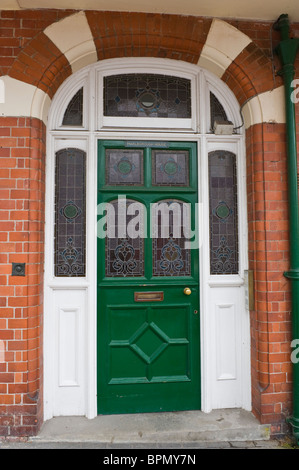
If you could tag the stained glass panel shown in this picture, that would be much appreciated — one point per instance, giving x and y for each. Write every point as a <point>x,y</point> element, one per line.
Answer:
<point>73,115</point>
<point>124,167</point>
<point>170,168</point>
<point>170,256</point>
<point>70,225</point>
<point>217,111</point>
<point>125,249</point>
<point>224,254</point>
<point>147,95</point>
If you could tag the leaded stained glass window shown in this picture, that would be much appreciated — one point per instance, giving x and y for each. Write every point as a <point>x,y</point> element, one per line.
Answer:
<point>224,256</point>
<point>124,249</point>
<point>124,167</point>
<point>147,95</point>
<point>170,168</point>
<point>70,214</point>
<point>217,111</point>
<point>73,115</point>
<point>170,256</point>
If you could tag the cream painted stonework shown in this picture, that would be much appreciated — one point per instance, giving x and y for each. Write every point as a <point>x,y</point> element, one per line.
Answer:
<point>224,43</point>
<point>265,107</point>
<point>79,49</point>
<point>21,99</point>
<point>10,5</point>
<point>267,10</point>
<point>2,91</point>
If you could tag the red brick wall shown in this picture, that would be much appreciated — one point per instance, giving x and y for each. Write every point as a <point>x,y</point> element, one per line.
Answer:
<point>27,54</point>
<point>17,28</point>
<point>22,183</point>
<point>269,258</point>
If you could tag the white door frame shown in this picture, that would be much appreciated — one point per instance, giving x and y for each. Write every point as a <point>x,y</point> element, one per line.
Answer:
<point>74,299</point>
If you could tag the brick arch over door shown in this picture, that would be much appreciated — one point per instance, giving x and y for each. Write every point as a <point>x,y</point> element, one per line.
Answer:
<point>51,53</point>
<point>45,65</point>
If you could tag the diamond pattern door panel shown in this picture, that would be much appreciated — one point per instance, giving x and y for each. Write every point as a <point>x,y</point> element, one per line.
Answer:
<point>161,351</point>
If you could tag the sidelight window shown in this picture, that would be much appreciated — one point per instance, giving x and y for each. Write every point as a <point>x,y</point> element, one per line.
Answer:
<point>70,215</point>
<point>224,255</point>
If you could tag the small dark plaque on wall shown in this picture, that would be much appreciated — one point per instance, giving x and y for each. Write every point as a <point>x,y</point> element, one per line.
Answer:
<point>18,269</point>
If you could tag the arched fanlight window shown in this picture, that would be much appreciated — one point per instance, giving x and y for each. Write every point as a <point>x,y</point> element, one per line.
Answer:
<point>73,115</point>
<point>217,110</point>
<point>147,95</point>
<point>220,124</point>
<point>144,95</point>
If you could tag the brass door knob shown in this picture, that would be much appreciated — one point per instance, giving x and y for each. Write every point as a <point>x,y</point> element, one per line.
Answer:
<point>187,291</point>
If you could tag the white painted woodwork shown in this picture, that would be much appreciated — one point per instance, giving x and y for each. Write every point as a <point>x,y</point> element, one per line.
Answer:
<point>69,351</point>
<point>70,375</point>
<point>226,311</point>
<point>225,333</point>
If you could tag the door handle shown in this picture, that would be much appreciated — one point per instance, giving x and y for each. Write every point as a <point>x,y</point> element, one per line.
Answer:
<point>187,291</point>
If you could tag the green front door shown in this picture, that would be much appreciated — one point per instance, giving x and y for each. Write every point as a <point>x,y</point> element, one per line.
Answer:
<point>148,322</point>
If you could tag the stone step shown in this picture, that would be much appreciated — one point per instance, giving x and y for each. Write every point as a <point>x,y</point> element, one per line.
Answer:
<point>175,427</point>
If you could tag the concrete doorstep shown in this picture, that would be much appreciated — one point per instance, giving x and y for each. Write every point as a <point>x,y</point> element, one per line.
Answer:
<point>175,428</point>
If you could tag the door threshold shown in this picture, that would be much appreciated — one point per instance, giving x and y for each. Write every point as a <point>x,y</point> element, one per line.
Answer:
<point>180,427</point>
